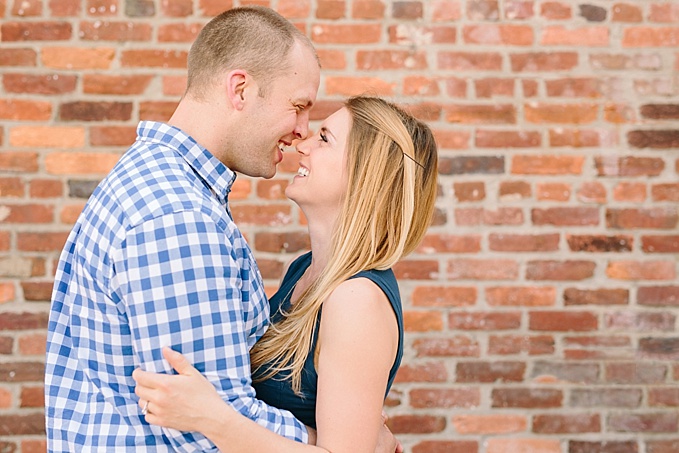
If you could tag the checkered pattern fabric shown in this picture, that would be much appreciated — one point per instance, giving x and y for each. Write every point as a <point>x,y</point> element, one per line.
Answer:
<point>154,260</point>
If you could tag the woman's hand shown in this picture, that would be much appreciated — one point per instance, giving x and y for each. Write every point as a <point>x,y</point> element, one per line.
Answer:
<point>187,401</point>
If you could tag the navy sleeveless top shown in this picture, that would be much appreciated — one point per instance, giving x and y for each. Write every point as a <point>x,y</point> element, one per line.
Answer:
<point>277,390</point>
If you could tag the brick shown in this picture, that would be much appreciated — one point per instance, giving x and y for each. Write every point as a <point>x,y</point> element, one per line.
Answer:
<point>146,8</point>
<point>484,321</point>
<point>22,424</point>
<point>176,8</point>
<point>21,161</point>
<point>513,35</point>
<point>485,114</point>
<point>520,344</point>
<point>47,136</point>
<point>657,218</point>
<point>502,216</point>
<point>665,192</point>
<point>367,9</point>
<point>176,85</point>
<point>566,424</point>
<point>81,189</point>
<point>543,61</point>
<point>581,138</point>
<point>425,111</point>
<point>582,36</point>
<point>452,139</point>
<point>507,139</point>
<point>21,372</point>
<point>520,296</point>
<point>639,321</point>
<point>416,270</point>
<point>420,86</point>
<point>476,269</point>
<point>654,139</point>
<point>46,188</point>
<point>270,215</point>
<point>95,111</point>
<point>581,87</point>
<point>352,86</point>
<point>593,13</point>
<point>528,398</point>
<point>469,61</point>
<point>330,9</point>
<point>478,10</point>
<point>36,31</point>
<point>79,163</point>
<point>625,12</point>
<point>635,373</point>
<point>422,321</point>
<point>115,31</point>
<point>416,424</point>
<point>650,37</point>
<point>444,296</point>
<point>555,10</point>
<point>658,422</point>
<point>664,12</point>
<point>600,243</point>
<point>446,398</point>
<point>390,60</point>
<point>20,109</point>
<point>659,348</point>
<point>39,84</point>
<point>523,445</point>
<point>37,291</point>
<point>514,190</point>
<point>32,397</point>
<point>456,87</point>
<point>33,446</point>
<point>110,84</point>
<point>178,32</point>
<point>519,9</point>
<point>662,446</point>
<point>560,270</point>
<point>444,446</point>
<point>426,372</point>
<point>530,88</point>
<point>446,10</point>
<point>41,242</point>
<point>660,111</point>
<point>69,213</point>
<point>7,292</point>
<point>552,191</point>
<point>18,57</point>
<point>471,165</point>
<point>27,8</point>
<point>575,296</point>
<point>32,344</point>
<point>469,191</point>
<point>407,10</point>
<point>489,424</point>
<point>411,36</point>
<point>345,34</point>
<point>490,372</point>
<point>64,8</point>
<point>660,244</point>
<point>5,237</point>
<point>270,268</point>
<point>560,113</point>
<point>156,110</point>
<point>579,373</point>
<point>101,8</point>
<point>606,397</point>
<point>451,346</point>
<point>11,187</point>
<point>663,397</point>
<point>658,296</point>
<point>29,213</point>
<point>77,57</point>
<point>566,216</point>
<point>493,87</point>
<point>154,58</point>
<point>636,270</point>
<point>628,166</point>
<point>563,321</point>
<point>625,61</point>
<point>112,135</point>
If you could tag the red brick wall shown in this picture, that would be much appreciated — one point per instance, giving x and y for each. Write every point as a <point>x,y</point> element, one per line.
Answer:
<point>541,309</point>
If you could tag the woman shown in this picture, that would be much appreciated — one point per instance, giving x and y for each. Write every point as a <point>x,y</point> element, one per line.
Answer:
<point>367,186</point>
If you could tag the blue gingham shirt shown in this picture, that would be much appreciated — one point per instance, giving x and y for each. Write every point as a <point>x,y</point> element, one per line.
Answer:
<point>154,260</point>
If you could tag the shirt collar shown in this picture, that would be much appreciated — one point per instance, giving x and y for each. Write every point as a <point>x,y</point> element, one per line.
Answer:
<point>218,176</point>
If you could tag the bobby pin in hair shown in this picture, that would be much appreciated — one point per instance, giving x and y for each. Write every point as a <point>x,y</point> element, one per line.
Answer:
<point>421,166</point>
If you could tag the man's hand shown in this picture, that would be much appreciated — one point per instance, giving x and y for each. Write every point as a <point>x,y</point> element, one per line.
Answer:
<point>386,442</point>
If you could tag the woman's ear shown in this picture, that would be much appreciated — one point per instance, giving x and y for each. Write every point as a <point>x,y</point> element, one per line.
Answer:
<point>236,82</point>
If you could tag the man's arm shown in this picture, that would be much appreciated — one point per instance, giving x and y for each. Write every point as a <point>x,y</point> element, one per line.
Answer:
<point>182,287</point>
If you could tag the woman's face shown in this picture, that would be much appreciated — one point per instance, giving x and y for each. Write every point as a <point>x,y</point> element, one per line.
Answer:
<point>321,180</point>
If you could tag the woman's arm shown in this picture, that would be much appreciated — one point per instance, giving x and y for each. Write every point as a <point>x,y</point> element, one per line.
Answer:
<point>358,342</point>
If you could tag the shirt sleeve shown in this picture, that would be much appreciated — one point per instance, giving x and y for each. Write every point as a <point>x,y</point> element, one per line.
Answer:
<point>183,288</point>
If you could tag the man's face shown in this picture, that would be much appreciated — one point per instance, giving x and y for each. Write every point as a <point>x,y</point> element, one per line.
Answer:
<point>280,116</point>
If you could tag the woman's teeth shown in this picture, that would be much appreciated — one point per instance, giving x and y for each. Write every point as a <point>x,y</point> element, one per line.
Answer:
<point>303,172</point>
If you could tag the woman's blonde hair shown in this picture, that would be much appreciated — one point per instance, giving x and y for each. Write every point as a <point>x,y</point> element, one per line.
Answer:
<point>392,166</point>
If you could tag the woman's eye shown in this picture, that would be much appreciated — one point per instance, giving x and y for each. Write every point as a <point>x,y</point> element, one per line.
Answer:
<point>324,137</point>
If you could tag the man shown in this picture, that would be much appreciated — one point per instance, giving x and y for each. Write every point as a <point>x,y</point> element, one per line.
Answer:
<point>155,258</point>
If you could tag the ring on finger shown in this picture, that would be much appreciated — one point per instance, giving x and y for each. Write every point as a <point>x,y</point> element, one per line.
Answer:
<point>145,409</point>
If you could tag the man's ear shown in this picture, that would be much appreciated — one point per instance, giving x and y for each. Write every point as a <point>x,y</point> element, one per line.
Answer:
<point>236,82</point>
